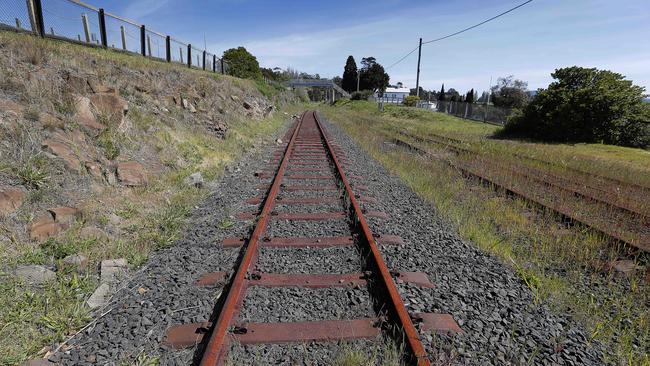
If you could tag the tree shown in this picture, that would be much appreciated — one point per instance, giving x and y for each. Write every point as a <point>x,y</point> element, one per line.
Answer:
<point>350,74</point>
<point>586,105</point>
<point>242,63</point>
<point>337,80</point>
<point>441,96</point>
<point>510,92</point>
<point>372,75</point>
<point>469,97</point>
<point>454,95</point>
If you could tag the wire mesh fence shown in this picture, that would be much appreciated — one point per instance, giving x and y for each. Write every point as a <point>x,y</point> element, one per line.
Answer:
<point>75,21</point>
<point>15,14</point>
<point>475,111</point>
<point>122,34</point>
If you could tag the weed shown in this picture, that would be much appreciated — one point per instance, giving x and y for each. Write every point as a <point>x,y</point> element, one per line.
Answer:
<point>32,176</point>
<point>226,224</point>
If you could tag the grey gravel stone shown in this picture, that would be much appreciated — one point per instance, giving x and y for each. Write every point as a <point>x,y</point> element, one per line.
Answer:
<point>34,274</point>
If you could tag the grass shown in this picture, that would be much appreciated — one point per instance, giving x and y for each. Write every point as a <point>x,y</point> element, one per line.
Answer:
<point>556,262</point>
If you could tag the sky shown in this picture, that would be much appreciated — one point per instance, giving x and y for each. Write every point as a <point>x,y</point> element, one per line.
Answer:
<point>318,36</point>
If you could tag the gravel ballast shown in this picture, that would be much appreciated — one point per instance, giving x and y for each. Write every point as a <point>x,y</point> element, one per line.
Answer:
<point>496,311</point>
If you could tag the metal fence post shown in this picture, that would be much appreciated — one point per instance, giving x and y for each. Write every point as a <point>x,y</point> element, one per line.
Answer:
<point>223,72</point>
<point>143,45</point>
<point>168,48</point>
<point>38,17</point>
<point>203,59</point>
<point>214,63</point>
<point>102,28</point>
<point>189,55</point>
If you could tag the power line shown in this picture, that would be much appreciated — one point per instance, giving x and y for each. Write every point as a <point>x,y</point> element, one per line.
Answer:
<point>463,30</point>
<point>479,24</point>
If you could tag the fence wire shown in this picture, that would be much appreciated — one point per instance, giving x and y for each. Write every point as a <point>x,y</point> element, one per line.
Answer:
<point>475,111</point>
<point>121,34</point>
<point>15,14</point>
<point>78,22</point>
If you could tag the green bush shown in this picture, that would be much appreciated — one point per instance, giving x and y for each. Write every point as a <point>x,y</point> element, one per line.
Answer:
<point>361,95</point>
<point>242,63</point>
<point>585,105</point>
<point>411,101</point>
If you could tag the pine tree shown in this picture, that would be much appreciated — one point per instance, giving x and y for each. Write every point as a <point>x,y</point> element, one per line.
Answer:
<point>350,74</point>
<point>441,97</point>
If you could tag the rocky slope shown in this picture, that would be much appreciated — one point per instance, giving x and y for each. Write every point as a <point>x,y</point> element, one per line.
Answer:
<point>96,155</point>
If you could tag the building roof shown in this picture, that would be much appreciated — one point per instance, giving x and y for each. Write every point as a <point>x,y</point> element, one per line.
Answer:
<point>391,89</point>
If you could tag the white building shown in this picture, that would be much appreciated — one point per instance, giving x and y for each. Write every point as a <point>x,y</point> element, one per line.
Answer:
<point>394,94</point>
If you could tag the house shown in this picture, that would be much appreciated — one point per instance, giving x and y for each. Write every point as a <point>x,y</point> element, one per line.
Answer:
<point>394,94</point>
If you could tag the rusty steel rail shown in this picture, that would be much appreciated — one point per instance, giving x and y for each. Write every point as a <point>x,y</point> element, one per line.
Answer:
<point>601,229</point>
<point>219,337</point>
<point>310,150</point>
<point>397,309</point>
<point>526,172</point>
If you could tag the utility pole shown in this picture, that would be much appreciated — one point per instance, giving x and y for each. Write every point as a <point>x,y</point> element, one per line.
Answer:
<point>417,80</point>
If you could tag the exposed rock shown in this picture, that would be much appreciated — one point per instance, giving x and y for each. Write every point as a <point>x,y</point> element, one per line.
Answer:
<point>99,297</point>
<point>91,232</point>
<point>113,270</point>
<point>45,227</point>
<point>247,105</point>
<point>111,105</point>
<point>78,83</point>
<point>94,169</point>
<point>278,141</point>
<point>64,152</point>
<point>34,274</point>
<point>76,261</point>
<point>10,199</point>
<point>185,103</point>
<point>66,215</point>
<point>234,98</point>
<point>85,117</point>
<point>194,180</point>
<point>131,174</point>
<point>191,108</point>
<point>72,147</point>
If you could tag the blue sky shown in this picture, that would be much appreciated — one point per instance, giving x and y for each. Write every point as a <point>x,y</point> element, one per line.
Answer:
<point>317,36</point>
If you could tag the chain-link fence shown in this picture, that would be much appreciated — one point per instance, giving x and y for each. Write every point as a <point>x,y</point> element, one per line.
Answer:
<point>74,21</point>
<point>474,111</point>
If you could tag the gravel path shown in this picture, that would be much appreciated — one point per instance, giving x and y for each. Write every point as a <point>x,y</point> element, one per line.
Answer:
<point>495,310</point>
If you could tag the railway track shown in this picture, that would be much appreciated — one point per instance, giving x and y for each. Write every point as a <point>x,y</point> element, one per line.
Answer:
<point>626,225</point>
<point>311,165</point>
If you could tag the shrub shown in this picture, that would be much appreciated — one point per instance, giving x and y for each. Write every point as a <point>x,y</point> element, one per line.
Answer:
<point>361,95</point>
<point>242,63</point>
<point>411,100</point>
<point>585,105</point>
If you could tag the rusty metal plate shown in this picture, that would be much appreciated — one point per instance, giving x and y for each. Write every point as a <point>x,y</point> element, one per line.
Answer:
<point>309,170</point>
<point>325,187</point>
<point>417,278</point>
<point>317,216</point>
<point>315,177</point>
<point>307,201</point>
<point>389,239</point>
<point>211,278</point>
<point>307,280</point>
<point>309,331</point>
<point>440,323</point>
<point>233,242</point>
<point>246,215</point>
<point>360,188</point>
<point>186,335</point>
<point>300,242</point>
<point>376,214</point>
<point>254,201</point>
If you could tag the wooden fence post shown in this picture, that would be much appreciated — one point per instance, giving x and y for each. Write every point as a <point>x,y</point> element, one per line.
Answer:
<point>149,44</point>
<point>38,17</point>
<point>84,21</point>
